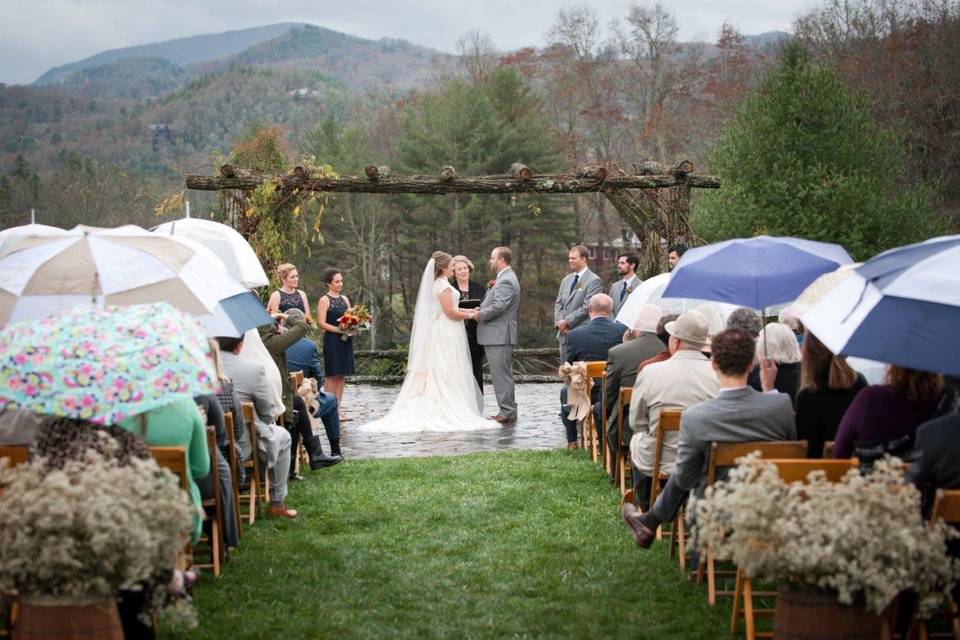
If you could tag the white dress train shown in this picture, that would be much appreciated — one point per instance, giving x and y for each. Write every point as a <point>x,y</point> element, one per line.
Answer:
<point>439,392</point>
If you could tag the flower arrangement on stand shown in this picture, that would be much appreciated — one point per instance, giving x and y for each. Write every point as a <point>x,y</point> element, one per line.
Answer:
<point>354,320</point>
<point>861,540</point>
<point>74,536</point>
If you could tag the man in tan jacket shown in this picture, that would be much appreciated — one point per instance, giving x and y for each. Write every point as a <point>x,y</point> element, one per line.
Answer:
<point>680,382</point>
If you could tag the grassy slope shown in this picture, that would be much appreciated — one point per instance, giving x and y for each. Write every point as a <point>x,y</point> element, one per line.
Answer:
<point>524,544</point>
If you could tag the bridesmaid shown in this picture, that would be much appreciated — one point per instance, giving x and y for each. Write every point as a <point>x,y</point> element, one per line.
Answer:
<point>462,268</point>
<point>337,352</point>
<point>289,296</point>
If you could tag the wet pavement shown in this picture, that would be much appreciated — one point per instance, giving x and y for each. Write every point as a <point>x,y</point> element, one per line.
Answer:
<point>538,425</point>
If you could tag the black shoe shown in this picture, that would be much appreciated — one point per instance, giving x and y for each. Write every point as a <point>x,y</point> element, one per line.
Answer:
<point>318,459</point>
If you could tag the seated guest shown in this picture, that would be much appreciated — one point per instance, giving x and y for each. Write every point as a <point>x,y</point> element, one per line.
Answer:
<point>739,413</point>
<point>640,343</point>
<point>780,346</point>
<point>178,424</point>
<point>684,380</point>
<point>214,413</point>
<point>745,319</point>
<point>827,387</point>
<point>664,339</point>
<point>887,415</point>
<point>591,341</point>
<point>936,458</point>
<point>252,384</point>
<point>230,402</point>
<point>302,356</point>
<point>277,338</point>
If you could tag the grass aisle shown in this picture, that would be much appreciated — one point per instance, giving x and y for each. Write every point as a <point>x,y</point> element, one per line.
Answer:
<point>519,544</point>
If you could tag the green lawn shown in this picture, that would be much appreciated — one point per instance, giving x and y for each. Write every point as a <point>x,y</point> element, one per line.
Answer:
<point>520,544</point>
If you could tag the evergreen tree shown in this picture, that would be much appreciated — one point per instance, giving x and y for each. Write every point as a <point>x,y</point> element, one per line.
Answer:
<point>803,157</point>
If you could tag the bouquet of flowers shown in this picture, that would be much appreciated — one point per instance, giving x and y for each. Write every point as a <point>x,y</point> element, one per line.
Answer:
<point>356,319</point>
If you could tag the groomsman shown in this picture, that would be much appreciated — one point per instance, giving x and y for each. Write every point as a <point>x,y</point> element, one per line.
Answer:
<point>576,289</point>
<point>627,265</point>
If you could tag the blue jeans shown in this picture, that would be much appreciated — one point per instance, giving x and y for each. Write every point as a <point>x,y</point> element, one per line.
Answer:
<point>328,414</point>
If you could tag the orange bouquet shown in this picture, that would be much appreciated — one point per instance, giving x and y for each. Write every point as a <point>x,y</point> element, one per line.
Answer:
<point>356,319</point>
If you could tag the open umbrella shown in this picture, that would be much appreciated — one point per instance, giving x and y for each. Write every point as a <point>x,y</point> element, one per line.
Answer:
<point>104,365</point>
<point>13,234</point>
<point>651,290</point>
<point>228,245</point>
<point>40,275</point>
<point>901,306</point>
<point>753,272</point>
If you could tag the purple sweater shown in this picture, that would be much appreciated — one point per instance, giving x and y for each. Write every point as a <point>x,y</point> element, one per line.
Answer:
<point>879,413</point>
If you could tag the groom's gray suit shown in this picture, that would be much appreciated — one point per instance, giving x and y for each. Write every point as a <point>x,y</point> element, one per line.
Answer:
<point>497,332</point>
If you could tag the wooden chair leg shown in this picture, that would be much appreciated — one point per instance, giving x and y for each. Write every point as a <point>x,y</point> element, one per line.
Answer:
<point>735,613</point>
<point>680,526</point>
<point>215,541</point>
<point>711,579</point>
<point>748,620</point>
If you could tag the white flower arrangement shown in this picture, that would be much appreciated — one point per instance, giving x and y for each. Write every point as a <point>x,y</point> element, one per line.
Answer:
<point>90,528</point>
<point>862,538</point>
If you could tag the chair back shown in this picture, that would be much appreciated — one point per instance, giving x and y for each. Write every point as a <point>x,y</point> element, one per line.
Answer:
<point>669,421</point>
<point>946,506</point>
<point>596,368</point>
<point>17,455</point>
<point>798,470</point>
<point>725,454</point>
<point>828,449</point>
<point>174,460</point>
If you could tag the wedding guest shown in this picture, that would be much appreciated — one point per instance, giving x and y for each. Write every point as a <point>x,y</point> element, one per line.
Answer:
<point>289,296</point>
<point>469,290</point>
<point>639,343</point>
<point>673,256</point>
<point>827,387</point>
<point>737,414</point>
<point>627,265</point>
<point>576,289</point>
<point>277,339</point>
<point>936,458</point>
<point>745,319</point>
<point>684,380</point>
<point>178,424</point>
<point>214,413</point>
<point>777,342</point>
<point>790,316</point>
<point>337,347</point>
<point>253,384</point>
<point>664,339</point>
<point>589,342</point>
<point>229,402</point>
<point>887,415</point>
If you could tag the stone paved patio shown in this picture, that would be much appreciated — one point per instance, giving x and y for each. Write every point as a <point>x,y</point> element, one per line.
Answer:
<point>538,425</point>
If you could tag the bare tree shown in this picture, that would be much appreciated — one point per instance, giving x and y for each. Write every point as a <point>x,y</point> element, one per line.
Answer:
<point>478,54</point>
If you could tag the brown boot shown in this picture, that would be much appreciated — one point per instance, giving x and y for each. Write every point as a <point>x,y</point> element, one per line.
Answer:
<point>282,511</point>
<point>573,445</point>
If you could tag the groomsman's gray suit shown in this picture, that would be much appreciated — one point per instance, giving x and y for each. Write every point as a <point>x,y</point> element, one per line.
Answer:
<point>620,287</point>
<point>571,303</point>
<point>497,332</point>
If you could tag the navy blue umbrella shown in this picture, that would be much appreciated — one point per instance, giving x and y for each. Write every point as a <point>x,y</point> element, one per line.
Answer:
<point>753,272</point>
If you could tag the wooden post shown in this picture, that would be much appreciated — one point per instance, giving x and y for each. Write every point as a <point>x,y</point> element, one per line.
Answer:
<point>447,173</point>
<point>521,172</point>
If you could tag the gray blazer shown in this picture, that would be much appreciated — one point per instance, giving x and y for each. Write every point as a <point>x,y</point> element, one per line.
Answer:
<point>617,287</point>
<point>498,311</point>
<point>622,363</point>
<point>572,307</point>
<point>741,415</point>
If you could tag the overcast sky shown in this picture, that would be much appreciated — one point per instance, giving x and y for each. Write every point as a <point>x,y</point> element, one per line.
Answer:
<point>38,34</point>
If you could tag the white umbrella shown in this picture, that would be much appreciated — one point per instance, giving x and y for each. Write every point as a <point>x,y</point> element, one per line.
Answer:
<point>13,234</point>
<point>45,274</point>
<point>236,254</point>
<point>650,291</point>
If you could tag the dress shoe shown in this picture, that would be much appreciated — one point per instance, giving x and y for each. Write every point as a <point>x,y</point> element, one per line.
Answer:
<point>642,534</point>
<point>573,445</point>
<point>282,511</point>
<point>497,418</point>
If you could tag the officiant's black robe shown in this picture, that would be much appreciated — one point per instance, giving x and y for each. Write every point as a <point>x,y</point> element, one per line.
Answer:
<point>475,292</point>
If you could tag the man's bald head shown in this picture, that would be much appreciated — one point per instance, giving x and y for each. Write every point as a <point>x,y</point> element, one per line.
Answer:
<point>600,305</point>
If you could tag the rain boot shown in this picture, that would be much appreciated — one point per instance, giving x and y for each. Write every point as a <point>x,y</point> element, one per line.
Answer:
<point>335,447</point>
<point>318,459</point>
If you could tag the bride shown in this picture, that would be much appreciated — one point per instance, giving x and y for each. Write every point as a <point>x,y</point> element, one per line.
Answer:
<point>439,392</point>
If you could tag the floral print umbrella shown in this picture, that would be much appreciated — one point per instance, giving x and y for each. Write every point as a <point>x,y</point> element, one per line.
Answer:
<point>104,365</point>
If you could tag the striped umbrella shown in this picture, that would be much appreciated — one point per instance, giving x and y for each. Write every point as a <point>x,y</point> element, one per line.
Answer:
<point>901,306</point>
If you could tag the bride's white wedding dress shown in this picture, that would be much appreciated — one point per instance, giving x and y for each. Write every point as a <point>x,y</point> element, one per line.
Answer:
<point>439,392</point>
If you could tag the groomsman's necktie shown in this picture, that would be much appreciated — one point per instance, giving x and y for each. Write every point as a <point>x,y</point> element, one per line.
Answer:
<point>623,290</point>
<point>573,285</point>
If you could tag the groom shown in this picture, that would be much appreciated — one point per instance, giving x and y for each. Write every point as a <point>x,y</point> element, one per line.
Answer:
<point>497,331</point>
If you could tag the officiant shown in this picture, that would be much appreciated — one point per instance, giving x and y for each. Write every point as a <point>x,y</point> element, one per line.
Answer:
<point>471,294</point>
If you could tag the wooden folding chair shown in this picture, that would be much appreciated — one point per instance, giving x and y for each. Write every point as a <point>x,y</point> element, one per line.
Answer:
<point>669,422</point>
<point>234,472</point>
<point>214,539</point>
<point>174,460</point>
<point>16,454</point>
<point>946,507</point>
<point>828,449</point>
<point>588,431</point>
<point>622,461</point>
<point>257,488</point>
<point>790,470</point>
<point>725,454</point>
